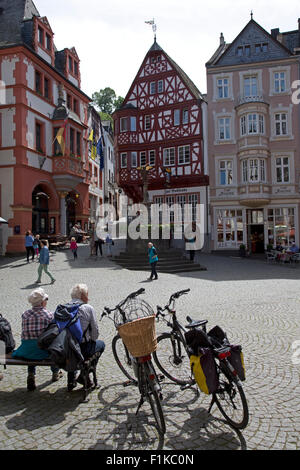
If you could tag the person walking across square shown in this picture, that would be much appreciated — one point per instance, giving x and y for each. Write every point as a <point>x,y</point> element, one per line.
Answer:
<point>44,262</point>
<point>29,239</point>
<point>153,260</point>
<point>74,247</point>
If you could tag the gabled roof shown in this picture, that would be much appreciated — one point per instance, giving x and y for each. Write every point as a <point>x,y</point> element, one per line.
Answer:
<point>13,13</point>
<point>226,52</point>
<point>184,77</point>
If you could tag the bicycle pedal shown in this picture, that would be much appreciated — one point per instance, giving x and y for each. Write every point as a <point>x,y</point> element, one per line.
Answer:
<point>161,378</point>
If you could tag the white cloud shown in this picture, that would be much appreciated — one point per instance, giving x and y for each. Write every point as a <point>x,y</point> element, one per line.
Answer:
<point>112,39</point>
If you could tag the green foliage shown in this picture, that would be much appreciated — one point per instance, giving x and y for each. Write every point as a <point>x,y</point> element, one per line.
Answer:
<point>107,101</point>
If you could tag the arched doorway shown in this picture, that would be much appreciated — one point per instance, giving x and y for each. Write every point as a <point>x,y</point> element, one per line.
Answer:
<point>40,211</point>
<point>73,206</point>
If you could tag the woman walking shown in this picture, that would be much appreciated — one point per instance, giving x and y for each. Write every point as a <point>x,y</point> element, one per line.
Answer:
<point>44,262</point>
<point>153,260</point>
<point>29,239</point>
<point>74,247</point>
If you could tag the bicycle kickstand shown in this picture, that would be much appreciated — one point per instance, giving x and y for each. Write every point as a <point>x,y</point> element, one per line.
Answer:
<point>140,405</point>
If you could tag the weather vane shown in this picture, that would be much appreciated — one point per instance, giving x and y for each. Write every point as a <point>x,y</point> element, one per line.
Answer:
<point>154,27</point>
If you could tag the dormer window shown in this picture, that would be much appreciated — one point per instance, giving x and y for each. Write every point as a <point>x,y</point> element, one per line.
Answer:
<point>261,48</point>
<point>76,68</point>
<point>48,42</point>
<point>244,51</point>
<point>70,64</point>
<point>41,35</point>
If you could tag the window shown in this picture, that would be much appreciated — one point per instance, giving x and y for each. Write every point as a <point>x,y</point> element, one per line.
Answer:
<point>176,117</point>
<point>169,157</point>
<point>250,86</point>
<point>184,155</point>
<point>70,64</point>
<point>281,124</point>
<point>282,170</point>
<point>152,88</point>
<point>223,88</point>
<point>193,202</point>
<point>69,101</point>
<point>147,123</point>
<point>38,82</point>
<point>243,51</point>
<point>41,35</point>
<point>261,124</point>
<point>281,226</point>
<point>48,41</point>
<point>279,82</point>
<point>75,106</point>
<point>252,124</point>
<point>46,88</point>
<point>253,170</point>
<point>143,160</point>
<point>123,160</point>
<point>133,159</point>
<point>224,129</point>
<point>78,143</point>
<point>76,68</point>
<point>160,86</point>
<point>39,137</point>
<point>240,50</point>
<point>261,48</point>
<point>185,116</point>
<point>72,135</point>
<point>57,149</point>
<point>225,172</point>
<point>152,158</point>
<point>133,124</point>
<point>247,51</point>
<point>123,125</point>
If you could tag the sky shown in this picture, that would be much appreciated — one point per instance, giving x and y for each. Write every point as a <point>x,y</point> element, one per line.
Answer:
<point>112,39</point>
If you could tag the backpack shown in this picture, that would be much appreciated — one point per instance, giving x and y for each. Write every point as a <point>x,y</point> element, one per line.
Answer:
<point>6,335</point>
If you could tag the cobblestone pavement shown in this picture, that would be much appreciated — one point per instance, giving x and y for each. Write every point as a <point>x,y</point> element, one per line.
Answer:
<point>256,303</point>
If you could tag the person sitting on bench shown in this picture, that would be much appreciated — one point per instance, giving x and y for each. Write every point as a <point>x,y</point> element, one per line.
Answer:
<point>90,343</point>
<point>34,321</point>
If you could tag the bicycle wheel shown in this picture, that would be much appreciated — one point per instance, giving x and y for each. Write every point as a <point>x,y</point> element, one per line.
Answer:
<point>153,397</point>
<point>172,359</point>
<point>230,399</point>
<point>123,358</point>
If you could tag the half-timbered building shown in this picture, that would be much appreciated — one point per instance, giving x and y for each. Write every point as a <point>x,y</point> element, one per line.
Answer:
<point>162,124</point>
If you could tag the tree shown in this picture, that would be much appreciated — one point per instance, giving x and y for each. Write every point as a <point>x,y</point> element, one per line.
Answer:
<point>107,101</point>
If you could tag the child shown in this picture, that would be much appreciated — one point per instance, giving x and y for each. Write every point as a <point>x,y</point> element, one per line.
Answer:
<point>73,247</point>
<point>37,245</point>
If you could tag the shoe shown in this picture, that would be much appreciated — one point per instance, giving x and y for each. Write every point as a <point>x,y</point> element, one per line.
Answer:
<point>31,383</point>
<point>72,385</point>
<point>53,281</point>
<point>56,376</point>
<point>80,380</point>
<point>156,278</point>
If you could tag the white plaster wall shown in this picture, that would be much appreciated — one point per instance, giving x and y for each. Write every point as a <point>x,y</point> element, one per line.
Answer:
<point>73,80</point>
<point>44,55</point>
<point>30,75</point>
<point>35,102</point>
<point>35,162</point>
<point>8,127</point>
<point>8,66</point>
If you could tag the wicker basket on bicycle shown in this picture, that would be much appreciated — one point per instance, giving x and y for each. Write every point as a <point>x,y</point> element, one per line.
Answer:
<point>138,333</point>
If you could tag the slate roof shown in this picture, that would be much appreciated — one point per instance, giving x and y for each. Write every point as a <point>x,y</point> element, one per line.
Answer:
<point>13,13</point>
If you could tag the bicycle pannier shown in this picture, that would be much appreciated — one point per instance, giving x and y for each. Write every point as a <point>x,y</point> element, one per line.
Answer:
<point>237,361</point>
<point>218,334</point>
<point>196,339</point>
<point>205,371</point>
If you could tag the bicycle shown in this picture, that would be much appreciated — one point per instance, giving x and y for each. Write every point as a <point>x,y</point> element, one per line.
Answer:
<point>138,369</point>
<point>175,353</point>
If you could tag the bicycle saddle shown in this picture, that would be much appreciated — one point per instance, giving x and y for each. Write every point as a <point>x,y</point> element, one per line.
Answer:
<point>195,323</point>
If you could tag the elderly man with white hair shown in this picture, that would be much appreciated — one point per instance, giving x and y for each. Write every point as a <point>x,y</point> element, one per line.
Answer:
<point>34,321</point>
<point>87,316</point>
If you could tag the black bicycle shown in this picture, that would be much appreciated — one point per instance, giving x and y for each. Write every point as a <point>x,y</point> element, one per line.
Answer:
<point>173,359</point>
<point>139,370</point>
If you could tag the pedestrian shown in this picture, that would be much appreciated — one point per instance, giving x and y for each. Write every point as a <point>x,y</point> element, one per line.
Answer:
<point>37,245</point>
<point>34,321</point>
<point>74,247</point>
<point>109,242</point>
<point>29,239</point>
<point>98,244</point>
<point>153,260</point>
<point>89,324</point>
<point>44,262</point>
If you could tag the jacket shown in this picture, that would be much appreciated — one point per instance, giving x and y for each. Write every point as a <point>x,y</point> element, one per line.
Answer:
<point>44,256</point>
<point>65,352</point>
<point>153,258</point>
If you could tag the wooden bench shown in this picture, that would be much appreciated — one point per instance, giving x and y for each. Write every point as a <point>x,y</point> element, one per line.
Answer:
<point>89,366</point>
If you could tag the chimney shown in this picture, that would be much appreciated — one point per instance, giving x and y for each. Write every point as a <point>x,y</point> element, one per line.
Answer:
<point>222,40</point>
<point>274,33</point>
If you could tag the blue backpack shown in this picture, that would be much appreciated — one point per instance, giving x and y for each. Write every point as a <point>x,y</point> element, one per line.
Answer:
<point>66,316</point>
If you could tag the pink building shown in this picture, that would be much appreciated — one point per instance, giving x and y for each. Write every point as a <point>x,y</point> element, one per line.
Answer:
<point>253,139</point>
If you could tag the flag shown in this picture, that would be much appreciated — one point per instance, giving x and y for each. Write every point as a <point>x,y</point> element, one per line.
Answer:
<point>100,153</point>
<point>61,137</point>
<point>91,137</point>
<point>94,152</point>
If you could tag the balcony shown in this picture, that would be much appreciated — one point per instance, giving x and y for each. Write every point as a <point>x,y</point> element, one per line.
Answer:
<point>255,194</point>
<point>68,172</point>
<point>258,98</point>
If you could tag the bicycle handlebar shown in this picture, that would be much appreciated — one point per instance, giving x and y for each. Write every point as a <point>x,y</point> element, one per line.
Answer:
<point>133,295</point>
<point>173,297</point>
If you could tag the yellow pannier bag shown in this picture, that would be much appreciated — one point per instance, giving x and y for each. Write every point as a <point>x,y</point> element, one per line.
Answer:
<point>205,371</point>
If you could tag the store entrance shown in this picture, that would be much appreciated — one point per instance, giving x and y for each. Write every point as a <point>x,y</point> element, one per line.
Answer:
<point>257,239</point>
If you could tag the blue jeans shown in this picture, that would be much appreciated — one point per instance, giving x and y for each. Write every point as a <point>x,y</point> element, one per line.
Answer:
<point>88,349</point>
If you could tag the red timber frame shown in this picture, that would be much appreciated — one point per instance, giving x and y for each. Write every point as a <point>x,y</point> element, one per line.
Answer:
<point>161,111</point>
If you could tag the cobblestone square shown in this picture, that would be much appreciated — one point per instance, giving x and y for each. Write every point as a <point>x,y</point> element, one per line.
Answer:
<point>256,303</point>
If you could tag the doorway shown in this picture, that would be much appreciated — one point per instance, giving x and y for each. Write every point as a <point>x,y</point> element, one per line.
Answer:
<point>256,231</point>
